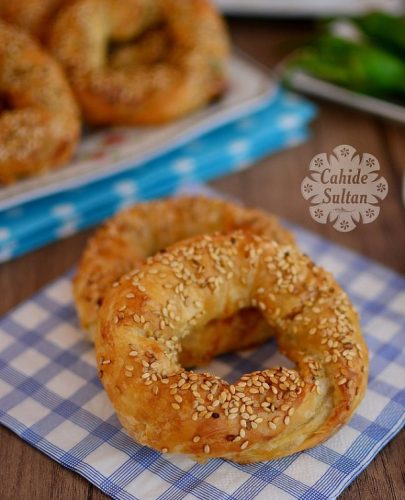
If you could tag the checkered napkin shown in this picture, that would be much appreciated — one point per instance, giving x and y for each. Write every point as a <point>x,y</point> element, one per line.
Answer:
<point>279,124</point>
<point>51,397</point>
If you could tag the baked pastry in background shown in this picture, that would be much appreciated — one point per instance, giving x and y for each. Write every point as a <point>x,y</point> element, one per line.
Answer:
<point>127,63</point>
<point>34,16</point>
<point>189,72</point>
<point>39,119</point>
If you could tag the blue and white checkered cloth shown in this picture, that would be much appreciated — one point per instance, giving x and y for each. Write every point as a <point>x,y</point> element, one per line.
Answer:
<point>280,124</point>
<point>51,397</point>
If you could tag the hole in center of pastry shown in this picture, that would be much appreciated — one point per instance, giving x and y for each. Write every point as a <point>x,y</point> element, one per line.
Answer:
<point>223,347</point>
<point>5,103</point>
<point>150,48</point>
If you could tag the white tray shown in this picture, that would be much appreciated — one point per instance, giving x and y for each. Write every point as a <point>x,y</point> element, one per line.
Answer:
<point>303,82</point>
<point>106,153</point>
<point>310,8</point>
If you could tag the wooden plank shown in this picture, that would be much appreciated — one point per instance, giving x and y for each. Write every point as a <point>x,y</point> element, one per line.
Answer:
<point>25,473</point>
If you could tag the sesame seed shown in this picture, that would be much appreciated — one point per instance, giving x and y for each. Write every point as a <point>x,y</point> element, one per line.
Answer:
<point>244,445</point>
<point>207,449</point>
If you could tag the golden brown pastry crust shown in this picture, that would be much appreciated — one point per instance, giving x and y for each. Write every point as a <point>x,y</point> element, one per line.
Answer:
<point>263,415</point>
<point>190,76</point>
<point>126,240</point>
<point>41,129</point>
<point>33,16</point>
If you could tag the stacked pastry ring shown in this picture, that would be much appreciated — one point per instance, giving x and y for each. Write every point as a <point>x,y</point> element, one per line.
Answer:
<point>39,125</point>
<point>167,305</point>
<point>33,16</point>
<point>141,91</point>
<point>129,238</point>
<point>132,62</point>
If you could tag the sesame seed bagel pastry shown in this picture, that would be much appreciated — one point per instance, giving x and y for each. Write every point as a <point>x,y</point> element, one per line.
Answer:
<point>33,16</point>
<point>127,239</point>
<point>265,414</point>
<point>39,124</point>
<point>187,75</point>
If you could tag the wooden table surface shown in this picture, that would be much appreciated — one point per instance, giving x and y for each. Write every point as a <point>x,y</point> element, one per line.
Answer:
<point>272,184</point>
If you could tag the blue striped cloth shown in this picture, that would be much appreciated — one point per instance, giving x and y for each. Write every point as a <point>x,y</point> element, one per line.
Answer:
<point>51,397</point>
<point>233,147</point>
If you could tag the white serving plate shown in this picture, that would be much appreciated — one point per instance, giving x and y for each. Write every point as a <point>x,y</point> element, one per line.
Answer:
<point>105,153</point>
<point>304,82</point>
<point>310,8</point>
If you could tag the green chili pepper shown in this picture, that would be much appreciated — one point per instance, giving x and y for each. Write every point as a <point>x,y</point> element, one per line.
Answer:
<point>357,66</point>
<point>385,30</point>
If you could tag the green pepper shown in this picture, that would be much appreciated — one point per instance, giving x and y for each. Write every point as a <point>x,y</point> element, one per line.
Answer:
<point>357,66</point>
<point>385,30</point>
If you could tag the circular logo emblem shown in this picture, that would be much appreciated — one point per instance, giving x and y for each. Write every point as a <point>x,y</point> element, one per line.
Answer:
<point>344,188</point>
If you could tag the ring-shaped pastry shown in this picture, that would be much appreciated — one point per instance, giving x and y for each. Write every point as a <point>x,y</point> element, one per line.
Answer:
<point>39,122</point>
<point>263,415</point>
<point>147,92</point>
<point>33,16</point>
<point>127,239</point>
